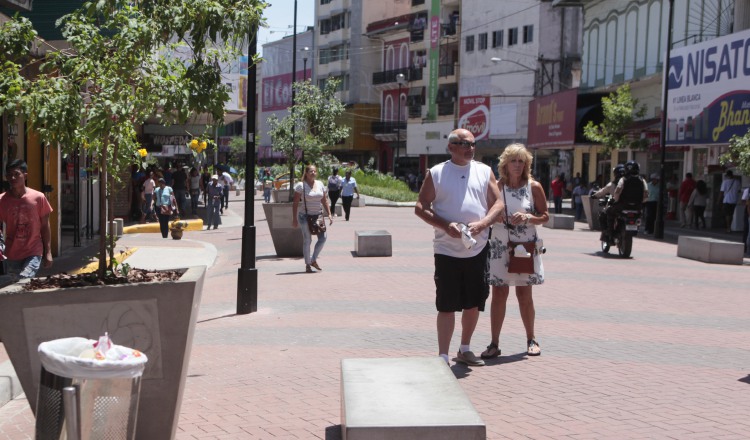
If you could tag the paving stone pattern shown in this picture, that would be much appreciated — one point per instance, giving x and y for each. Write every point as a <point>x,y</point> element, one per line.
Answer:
<point>654,346</point>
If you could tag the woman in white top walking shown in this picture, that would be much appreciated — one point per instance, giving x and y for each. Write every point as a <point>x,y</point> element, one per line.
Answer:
<point>311,193</point>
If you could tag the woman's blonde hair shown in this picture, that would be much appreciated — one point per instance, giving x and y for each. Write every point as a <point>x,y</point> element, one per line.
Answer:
<point>514,151</point>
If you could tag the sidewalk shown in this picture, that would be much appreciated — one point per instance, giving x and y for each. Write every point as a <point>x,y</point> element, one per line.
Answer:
<point>654,346</point>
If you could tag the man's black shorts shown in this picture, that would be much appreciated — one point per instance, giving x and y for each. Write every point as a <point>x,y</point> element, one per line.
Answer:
<point>461,283</point>
<point>729,209</point>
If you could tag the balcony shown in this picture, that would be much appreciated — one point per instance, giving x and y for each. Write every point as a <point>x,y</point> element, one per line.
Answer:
<point>388,76</point>
<point>447,70</point>
<point>415,111</point>
<point>415,73</point>
<point>446,108</point>
<point>387,127</point>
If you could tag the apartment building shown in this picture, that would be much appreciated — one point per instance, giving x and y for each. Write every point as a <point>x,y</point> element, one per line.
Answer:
<point>344,52</point>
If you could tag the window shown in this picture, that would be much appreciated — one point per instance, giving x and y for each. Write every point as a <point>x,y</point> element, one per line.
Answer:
<point>528,33</point>
<point>512,36</point>
<point>335,53</point>
<point>325,26</point>
<point>325,2</point>
<point>483,41</point>
<point>470,43</point>
<point>497,39</point>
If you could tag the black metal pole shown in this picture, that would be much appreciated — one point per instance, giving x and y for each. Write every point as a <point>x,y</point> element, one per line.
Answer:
<point>77,199</point>
<point>247,274</point>
<point>398,131</point>
<point>294,80</point>
<point>659,226</point>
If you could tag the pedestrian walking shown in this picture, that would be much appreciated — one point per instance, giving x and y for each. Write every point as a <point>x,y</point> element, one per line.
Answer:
<point>205,180</point>
<point>525,207</point>
<point>459,199</point>
<point>652,202</point>
<point>728,193</point>
<point>148,197</point>
<point>227,181</point>
<point>25,213</point>
<point>686,190</point>
<point>215,192</point>
<point>558,186</point>
<point>267,182</point>
<point>697,204</point>
<point>579,191</point>
<point>349,188</point>
<point>166,206</point>
<point>312,194</point>
<point>334,188</point>
<point>195,190</point>
<point>180,186</point>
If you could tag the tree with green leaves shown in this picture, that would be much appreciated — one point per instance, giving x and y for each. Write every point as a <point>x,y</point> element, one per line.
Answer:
<point>310,125</point>
<point>739,153</point>
<point>620,110</point>
<point>127,61</point>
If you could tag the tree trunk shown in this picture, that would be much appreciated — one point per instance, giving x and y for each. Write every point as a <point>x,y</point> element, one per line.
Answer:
<point>291,181</point>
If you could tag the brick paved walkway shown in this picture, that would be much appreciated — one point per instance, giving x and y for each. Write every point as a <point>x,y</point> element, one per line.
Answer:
<point>650,347</point>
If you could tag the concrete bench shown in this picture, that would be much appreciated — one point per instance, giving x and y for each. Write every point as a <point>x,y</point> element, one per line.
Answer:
<point>560,221</point>
<point>339,210</point>
<point>373,244</point>
<point>118,227</point>
<point>358,202</point>
<point>405,398</point>
<point>710,250</point>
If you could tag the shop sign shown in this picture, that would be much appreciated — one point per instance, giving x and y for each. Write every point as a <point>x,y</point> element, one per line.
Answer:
<point>475,115</point>
<point>552,120</point>
<point>708,99</point>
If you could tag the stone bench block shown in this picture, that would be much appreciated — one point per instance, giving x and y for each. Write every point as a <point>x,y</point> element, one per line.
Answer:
<point>560,221</point>
<point>339,210</point>
<point>118,227</point>
<point>405,399</point>
<point>358,202</point>
<point>710,250</point>
<point>373,244</point>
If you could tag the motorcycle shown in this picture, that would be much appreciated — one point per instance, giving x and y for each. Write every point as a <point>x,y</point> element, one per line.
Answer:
<point>622,232</point>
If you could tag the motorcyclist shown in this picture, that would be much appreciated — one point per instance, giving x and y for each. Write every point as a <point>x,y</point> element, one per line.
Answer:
<point>630,193</point>
<point>609,189</point>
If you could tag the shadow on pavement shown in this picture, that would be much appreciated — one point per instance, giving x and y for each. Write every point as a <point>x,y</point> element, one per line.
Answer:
<point>333,432</point>
<point>745,379</point>
<point>500,360</point>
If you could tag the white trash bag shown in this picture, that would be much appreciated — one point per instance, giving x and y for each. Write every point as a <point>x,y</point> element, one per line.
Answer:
<point>81,358</point>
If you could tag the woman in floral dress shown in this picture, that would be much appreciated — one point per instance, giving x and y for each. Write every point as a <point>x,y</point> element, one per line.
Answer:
<point>526,207</point>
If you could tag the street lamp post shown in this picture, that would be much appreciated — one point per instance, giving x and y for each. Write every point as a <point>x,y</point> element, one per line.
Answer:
<point>304,63</point>
<point>247,274</point>
<point>400,79</point>
<point>659,225</point>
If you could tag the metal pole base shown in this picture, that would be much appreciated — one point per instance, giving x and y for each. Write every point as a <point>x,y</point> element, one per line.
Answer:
<point>247,291</point>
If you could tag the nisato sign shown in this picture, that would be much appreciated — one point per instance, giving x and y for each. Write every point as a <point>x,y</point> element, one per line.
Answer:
<point>709,97</point>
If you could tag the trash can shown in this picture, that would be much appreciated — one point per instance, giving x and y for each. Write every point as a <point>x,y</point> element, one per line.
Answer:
<point>86,392</point>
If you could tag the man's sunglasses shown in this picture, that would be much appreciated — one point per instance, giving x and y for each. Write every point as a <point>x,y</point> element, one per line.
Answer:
<point>465,144</point>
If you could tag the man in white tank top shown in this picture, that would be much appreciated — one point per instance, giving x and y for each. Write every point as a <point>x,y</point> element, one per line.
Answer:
<point>460,199</point>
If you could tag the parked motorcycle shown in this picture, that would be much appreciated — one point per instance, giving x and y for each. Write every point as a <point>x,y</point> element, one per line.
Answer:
<point>622,232</point>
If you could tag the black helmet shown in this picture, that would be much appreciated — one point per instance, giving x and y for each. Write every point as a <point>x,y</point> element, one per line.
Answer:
<point>619,171</point>
<point>632,168</point>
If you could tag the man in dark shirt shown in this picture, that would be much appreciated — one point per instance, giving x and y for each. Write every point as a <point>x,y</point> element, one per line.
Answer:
<point>180,187</point>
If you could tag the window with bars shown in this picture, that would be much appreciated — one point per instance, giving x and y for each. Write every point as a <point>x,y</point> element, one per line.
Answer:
<point>497,39</point>
<point>482,41</point>
<point>470,43</point>
<point>528,33</point>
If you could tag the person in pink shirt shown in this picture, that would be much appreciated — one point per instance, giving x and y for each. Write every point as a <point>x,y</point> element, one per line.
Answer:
<point>25,213</point>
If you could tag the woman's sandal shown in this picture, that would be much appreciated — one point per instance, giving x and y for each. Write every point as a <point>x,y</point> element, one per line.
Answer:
<point>533,348</point>
<point>492,351</point>
<point>315,265</point>
<point>308,269</point>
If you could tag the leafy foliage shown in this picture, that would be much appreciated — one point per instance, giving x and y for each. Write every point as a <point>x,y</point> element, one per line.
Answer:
<point>310,125</point>
<point>127,61</point>
<point>739,153</point>
<point>620,110</point>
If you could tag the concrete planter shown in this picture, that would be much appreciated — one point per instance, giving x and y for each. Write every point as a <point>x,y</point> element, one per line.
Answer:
<point>156,318</point>
<point>287,241</point>
<point>280,195</point>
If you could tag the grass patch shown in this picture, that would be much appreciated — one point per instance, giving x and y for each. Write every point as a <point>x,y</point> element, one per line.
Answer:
<point>384,186</point>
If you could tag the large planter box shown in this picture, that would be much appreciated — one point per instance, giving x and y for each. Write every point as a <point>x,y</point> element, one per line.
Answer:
<point>280,195</point>
<point>155,318</point>
<point>592,209</point>
<point>287,241</point>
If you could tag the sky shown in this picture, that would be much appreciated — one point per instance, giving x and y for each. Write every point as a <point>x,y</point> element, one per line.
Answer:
<point>280,18</point>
